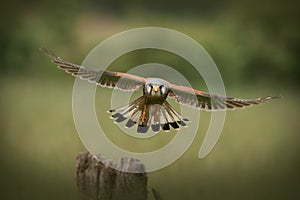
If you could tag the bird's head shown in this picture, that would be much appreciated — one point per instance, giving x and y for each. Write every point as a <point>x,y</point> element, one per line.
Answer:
<point>156,87</point>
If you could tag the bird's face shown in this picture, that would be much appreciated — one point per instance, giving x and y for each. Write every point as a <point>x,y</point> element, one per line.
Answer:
<point>156,88</point>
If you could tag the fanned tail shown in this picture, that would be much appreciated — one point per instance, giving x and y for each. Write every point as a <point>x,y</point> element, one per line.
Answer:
<point>155,116</point>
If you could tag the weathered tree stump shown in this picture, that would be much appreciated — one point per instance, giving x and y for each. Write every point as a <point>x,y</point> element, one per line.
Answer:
<point>100,179</point>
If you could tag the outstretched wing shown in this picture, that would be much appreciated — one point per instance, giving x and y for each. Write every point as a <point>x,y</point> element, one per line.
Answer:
<point>104,78</point>
<point>202,100</point>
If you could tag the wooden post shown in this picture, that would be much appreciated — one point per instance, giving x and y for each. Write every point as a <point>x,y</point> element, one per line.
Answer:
<point>97,180</point>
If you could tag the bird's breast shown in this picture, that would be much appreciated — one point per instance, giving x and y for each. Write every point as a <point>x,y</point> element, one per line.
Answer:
<point>154,99</point>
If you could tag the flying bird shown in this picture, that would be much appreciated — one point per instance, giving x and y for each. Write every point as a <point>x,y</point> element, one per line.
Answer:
<point>152,108</point>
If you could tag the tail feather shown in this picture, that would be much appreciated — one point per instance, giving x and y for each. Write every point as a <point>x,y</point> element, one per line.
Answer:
<point>130,123</point>
<point>125,112</point>
<point>155,116</point>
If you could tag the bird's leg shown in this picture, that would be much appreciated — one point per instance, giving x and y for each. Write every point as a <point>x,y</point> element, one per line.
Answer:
<point>144,115</point>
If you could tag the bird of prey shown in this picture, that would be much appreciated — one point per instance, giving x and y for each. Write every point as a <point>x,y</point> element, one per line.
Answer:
<point>152,108</point>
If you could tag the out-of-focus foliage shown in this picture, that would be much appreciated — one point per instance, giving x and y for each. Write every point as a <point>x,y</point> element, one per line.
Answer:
<point>249,40</point>
<point>25,26</point>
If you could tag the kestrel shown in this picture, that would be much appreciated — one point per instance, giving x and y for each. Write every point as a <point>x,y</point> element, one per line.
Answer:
<point>152,108</point>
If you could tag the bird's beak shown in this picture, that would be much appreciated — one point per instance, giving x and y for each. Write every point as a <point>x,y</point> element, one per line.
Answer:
<point>155,89</point>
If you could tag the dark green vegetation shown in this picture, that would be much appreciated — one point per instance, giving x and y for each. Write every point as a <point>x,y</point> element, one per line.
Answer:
<point>254,44</point>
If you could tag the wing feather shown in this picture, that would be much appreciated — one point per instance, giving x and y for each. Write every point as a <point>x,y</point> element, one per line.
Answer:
<point>205,101</point>
<point>104,78</point>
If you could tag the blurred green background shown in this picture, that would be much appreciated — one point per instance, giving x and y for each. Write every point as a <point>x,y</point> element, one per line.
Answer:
<point>255,45</point>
